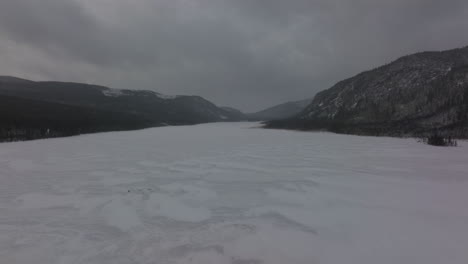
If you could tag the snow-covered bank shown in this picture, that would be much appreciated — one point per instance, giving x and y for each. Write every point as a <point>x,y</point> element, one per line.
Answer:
<point>227,193</point>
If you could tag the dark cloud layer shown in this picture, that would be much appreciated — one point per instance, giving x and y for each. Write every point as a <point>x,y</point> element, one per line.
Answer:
<point>244,53</point>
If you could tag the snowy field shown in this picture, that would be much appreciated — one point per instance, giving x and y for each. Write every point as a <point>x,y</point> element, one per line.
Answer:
<point>229,193</point>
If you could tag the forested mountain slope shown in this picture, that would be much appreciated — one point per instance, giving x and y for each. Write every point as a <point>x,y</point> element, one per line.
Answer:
<point>413,95</point>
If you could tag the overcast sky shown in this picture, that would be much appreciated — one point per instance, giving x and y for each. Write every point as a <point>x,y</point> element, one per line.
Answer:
<point>248,54</point>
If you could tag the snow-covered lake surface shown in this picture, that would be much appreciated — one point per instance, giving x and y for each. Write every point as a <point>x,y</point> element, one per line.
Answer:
<point>230,193</point>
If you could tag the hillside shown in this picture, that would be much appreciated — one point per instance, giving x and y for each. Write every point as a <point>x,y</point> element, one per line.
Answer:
<point>47,109</point>
<point>236,113</point>
<point>281,111</point>
<point>413,95</point>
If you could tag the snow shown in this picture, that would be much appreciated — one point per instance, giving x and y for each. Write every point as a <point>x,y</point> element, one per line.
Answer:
<point>166,206</point>
<point>165,96</point>
<point>113,92</point>
<point>232,193</point>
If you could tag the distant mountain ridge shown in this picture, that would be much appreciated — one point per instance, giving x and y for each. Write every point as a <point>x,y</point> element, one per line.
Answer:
<point>280,111</point>
<point>94,108</point>
<point>413,95</point>
<point>236,113</point>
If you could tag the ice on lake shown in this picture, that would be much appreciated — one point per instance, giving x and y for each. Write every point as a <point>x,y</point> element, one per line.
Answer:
<point>232,193</point>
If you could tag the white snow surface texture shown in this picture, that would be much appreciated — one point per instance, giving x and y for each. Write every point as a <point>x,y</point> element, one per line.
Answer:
<point>232,193</point>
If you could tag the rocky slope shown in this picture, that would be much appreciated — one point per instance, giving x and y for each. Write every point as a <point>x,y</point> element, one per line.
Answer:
<point>413,95</point>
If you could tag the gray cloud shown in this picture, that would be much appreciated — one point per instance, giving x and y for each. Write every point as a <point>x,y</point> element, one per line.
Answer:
<point>244,53</point>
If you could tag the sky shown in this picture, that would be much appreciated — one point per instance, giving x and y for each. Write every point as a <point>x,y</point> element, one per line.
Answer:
<point>248,54</point>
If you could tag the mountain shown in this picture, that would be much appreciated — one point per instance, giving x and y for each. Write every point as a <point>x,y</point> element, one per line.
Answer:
<point>281,111</point>
<point>236,113</point>
<point>414,95</point>
<point>41,109</point>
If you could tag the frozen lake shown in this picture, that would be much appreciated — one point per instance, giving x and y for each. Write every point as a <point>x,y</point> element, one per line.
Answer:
<point>231,193</point>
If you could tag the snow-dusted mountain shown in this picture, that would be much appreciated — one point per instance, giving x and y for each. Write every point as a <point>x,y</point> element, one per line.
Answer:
<point>280,111</point>
<point>59,108</point>
<point>415,94</point>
